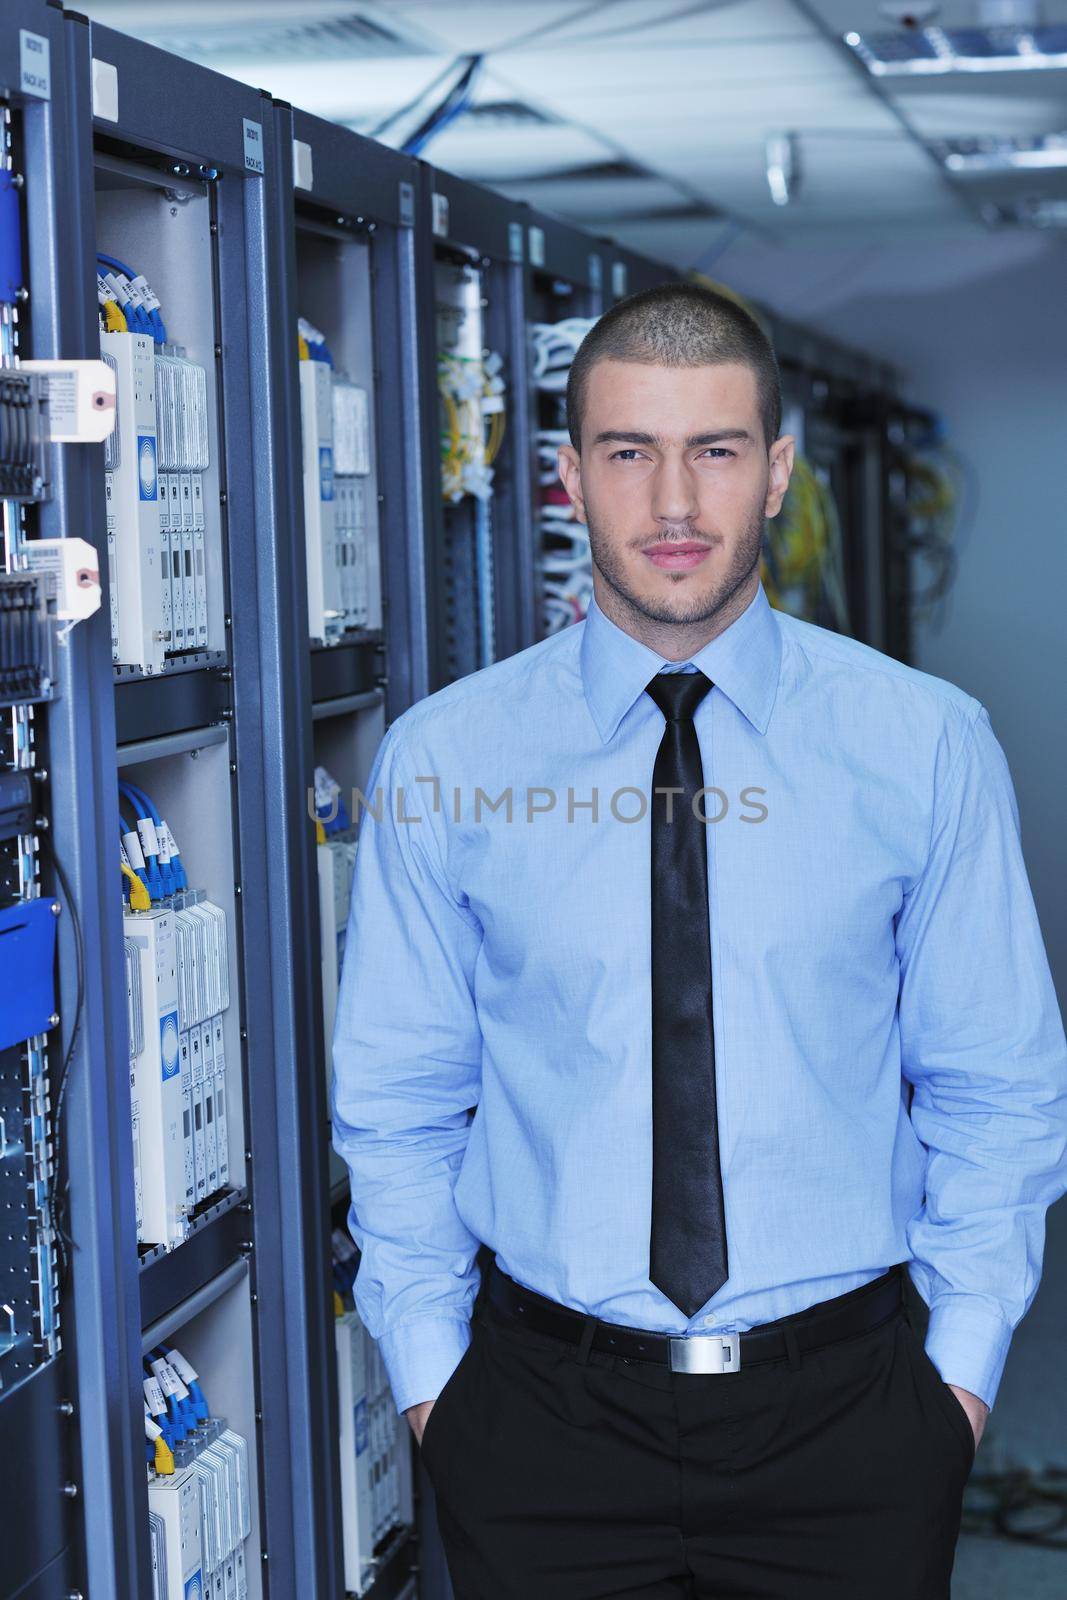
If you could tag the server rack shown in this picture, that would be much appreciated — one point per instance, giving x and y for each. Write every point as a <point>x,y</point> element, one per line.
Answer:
<point>567,285</point>
<point>347,217</point>
<point>53,1389</point>
<point>472,278</point>
<point>179,181</point>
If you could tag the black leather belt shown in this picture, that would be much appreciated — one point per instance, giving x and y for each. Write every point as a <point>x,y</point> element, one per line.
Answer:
<point>858,1311</point>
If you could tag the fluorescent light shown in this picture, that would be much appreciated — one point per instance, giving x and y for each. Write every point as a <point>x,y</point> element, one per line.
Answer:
<point>935,52</point>
<point>782,155</point>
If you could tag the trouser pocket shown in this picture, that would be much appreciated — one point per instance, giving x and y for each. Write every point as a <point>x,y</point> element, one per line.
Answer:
<point>437,1421</point>
<point>941,1396</point>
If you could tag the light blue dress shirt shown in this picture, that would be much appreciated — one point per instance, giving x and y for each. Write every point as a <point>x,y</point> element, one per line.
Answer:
<point>890,1062</point>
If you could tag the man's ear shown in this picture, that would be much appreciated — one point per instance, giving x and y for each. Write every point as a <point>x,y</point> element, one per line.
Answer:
<point>781,467</point>
<point>570,474</point>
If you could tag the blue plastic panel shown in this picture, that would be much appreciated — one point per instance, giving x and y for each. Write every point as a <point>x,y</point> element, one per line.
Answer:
<point>27,970</point>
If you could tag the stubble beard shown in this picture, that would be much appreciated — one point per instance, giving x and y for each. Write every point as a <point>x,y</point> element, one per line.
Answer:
<point>696,598</point>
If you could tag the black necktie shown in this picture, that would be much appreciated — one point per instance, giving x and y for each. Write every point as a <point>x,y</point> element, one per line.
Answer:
<point>687,1259</point>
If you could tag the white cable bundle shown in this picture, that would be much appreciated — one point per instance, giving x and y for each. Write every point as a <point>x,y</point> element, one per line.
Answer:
<point>565,563</point>
<point>554,345</point>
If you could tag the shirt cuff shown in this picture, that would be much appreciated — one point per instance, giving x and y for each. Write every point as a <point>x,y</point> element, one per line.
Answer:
<point>968,1344</point>
<point>421,1355</point>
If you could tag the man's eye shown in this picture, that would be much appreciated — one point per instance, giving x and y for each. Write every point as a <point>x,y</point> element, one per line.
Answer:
<point>717,450</point>
<point>617,455</point>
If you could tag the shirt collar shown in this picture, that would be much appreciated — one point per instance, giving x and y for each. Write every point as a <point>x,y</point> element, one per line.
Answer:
<point>743,661</point>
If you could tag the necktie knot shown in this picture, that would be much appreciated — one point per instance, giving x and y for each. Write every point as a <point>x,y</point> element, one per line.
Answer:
<point>678,693</point>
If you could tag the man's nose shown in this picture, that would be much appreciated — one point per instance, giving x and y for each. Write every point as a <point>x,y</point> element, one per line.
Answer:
<point>674,496</point>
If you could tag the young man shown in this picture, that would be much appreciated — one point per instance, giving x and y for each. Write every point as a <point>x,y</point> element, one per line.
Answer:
<point>693,970</point>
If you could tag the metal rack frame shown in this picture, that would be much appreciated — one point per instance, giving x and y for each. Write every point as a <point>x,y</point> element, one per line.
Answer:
<point>198,124</point>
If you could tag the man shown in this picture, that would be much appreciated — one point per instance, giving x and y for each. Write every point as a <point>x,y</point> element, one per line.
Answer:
<point>693,969</point>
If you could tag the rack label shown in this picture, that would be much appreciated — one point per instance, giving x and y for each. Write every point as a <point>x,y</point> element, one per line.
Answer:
<point>34,65</point>
<point>439,215</point>
<point>253,146</point>
<point>303,166</point>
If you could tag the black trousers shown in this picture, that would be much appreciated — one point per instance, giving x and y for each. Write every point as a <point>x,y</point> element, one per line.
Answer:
<point>838,1475</point>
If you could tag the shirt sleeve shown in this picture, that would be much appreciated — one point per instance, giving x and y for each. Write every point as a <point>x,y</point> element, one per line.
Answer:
<point>983,1043</point>
<point>406,1069</point>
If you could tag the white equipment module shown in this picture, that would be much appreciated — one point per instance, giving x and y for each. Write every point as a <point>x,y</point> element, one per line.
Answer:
<point>139,635</point>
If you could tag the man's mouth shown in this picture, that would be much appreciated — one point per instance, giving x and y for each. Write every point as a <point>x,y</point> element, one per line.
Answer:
<point>677,556</point>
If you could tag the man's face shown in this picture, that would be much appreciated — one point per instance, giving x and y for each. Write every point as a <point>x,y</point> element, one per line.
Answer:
<point>674,483</point>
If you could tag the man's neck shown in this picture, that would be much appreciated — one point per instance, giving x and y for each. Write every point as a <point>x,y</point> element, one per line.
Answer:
<point>675,641</point>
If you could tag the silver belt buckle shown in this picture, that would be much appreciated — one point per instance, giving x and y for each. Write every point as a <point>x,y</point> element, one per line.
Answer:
<point>706,1352</point>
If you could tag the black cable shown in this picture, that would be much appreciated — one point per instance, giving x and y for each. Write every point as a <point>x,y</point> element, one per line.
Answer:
<point>453,102</point>
<point>405,110</point>
<point>59,1189</point>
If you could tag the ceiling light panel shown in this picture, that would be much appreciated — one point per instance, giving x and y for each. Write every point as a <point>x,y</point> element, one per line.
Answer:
<point>938,52</point>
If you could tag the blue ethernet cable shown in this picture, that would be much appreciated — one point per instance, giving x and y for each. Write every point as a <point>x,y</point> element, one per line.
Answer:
<point>148,321</point>
<point>179,1426</point>
<point>161,1419</point>
<point>144,807</point>
<point>154,871</point>
<point>194,1407</point>
<point>147,876</point>
<point>199,1399</point>
<point>136,318</point>
<point>153,879</point>
<point>186,1409</point>
<point>181,880</point>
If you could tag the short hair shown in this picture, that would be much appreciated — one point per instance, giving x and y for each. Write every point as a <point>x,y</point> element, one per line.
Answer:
<point>678,325</point>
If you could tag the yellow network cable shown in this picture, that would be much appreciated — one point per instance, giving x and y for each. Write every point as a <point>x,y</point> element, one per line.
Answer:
<point>164,1457</point>
<point>471,436</point>
<point>803,561</point>
<point>302,347</point>
<point>140,899</point>
<point>114,321</point>
<point>497,426</point>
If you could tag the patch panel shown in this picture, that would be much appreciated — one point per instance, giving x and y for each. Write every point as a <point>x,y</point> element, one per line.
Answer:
<point>155,461</point>
<point>178,990</point>
<point>199,1486</point>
